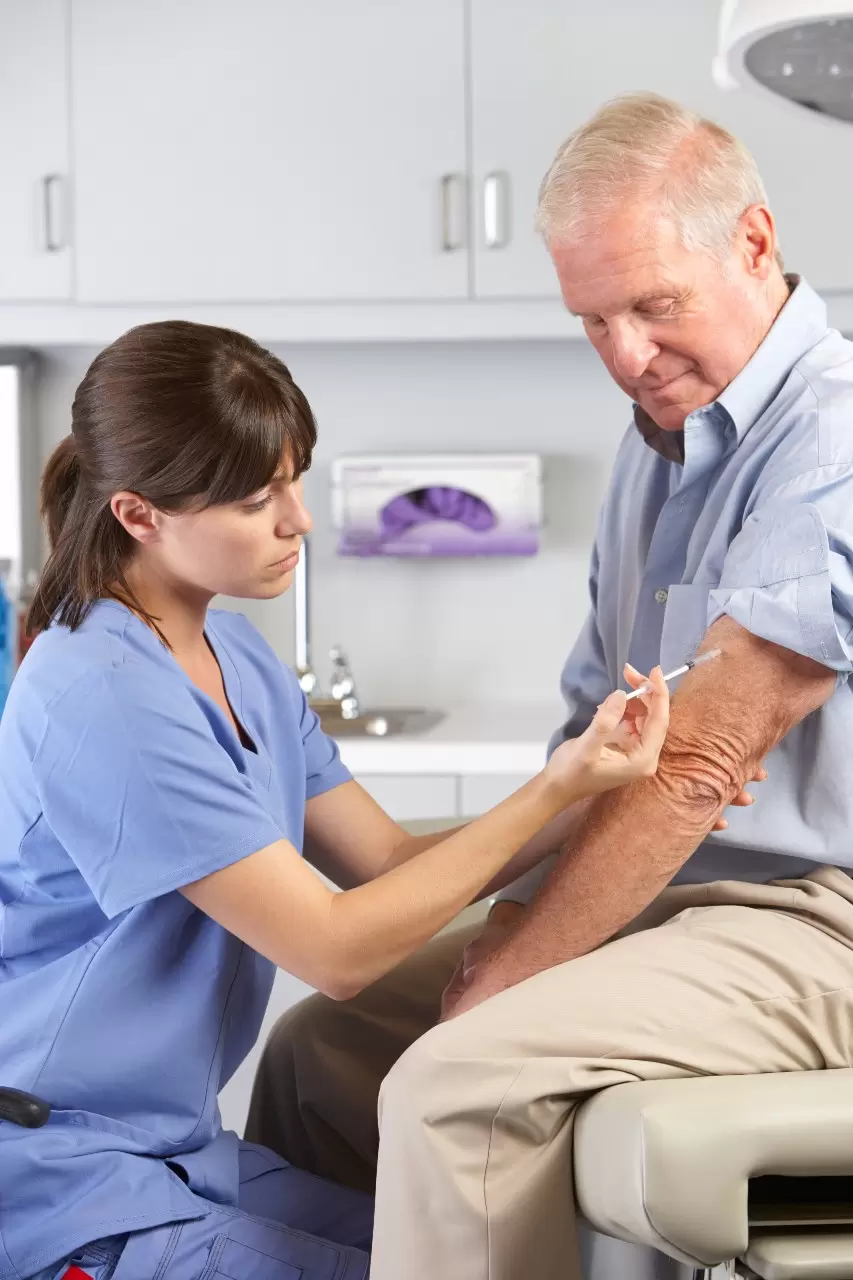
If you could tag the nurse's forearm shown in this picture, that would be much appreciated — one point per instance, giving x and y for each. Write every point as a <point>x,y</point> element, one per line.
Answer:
<point>376,925</point>
<point>550,840</point>
<point>341,942</point>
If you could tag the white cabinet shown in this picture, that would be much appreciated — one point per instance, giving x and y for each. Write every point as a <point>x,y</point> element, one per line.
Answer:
<point>35,261</point>
<point>409,797</point>
<point>269,150</point>
<point>479,792</point>
<point>404,796</point>
<point>538,70</point>
<point>527,94</point>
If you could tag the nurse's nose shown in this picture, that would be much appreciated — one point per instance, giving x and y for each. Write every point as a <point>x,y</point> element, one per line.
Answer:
<point>295,516</point>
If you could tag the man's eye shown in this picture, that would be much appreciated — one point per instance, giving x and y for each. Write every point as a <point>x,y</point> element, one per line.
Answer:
<point>593,322</point>
<point>659,313</point>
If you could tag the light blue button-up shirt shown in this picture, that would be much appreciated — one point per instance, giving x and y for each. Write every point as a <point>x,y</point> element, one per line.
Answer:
<point>757,523</point>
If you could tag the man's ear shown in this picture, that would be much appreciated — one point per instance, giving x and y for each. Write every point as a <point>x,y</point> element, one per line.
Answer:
<point>757,239</point>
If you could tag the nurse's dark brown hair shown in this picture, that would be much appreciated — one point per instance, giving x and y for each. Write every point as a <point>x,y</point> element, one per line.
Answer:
<point>187,416</point>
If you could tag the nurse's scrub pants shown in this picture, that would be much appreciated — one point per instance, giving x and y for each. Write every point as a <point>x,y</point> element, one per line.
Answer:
<point>288,1225</point>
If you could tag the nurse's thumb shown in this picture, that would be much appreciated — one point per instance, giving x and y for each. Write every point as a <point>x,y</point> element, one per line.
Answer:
<point>609,715</point>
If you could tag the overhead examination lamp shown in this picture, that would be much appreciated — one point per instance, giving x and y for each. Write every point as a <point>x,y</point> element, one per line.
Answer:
<point>801,50</point>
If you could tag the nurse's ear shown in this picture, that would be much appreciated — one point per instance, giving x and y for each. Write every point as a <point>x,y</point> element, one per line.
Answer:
<point>142,521</point>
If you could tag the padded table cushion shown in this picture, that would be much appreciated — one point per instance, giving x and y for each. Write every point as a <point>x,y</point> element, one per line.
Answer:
<point>667,1163</point>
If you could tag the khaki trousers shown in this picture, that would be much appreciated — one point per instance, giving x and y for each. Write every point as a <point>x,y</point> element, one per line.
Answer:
<point>474,1173</point>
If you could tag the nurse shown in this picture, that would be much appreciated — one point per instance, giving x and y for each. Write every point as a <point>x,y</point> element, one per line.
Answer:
<point>164,788</point>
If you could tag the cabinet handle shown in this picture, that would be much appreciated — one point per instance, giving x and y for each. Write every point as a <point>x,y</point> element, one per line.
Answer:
<point>496,210</point>
<point>452,212</point>
<point>52,205</point>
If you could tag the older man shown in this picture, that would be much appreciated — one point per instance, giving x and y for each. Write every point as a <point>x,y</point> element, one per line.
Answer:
<point>728,523</point>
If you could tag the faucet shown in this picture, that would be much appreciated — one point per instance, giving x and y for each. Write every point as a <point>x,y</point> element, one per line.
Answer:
<point>343,685</point>
<point>343,690</point>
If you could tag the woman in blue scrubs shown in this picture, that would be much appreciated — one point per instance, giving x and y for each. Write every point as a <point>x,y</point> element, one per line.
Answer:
<point>163,789</point>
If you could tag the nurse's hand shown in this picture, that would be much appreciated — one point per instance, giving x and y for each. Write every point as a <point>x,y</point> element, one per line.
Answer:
<point>623,742</point>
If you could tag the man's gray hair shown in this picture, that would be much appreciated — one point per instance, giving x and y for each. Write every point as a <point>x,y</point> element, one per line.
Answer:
<point>641,145</point>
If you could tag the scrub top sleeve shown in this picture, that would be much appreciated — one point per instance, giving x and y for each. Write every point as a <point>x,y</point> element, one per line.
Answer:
<point>788,575</point>
<point>139,792</point>
<point>324,768</point>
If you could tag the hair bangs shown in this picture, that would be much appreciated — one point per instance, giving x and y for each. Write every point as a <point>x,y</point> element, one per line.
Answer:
<point>268,429</point>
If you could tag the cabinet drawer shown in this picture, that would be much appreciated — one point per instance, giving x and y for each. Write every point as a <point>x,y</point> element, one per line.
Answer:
<point>479,792</point>
<point>404,797</point>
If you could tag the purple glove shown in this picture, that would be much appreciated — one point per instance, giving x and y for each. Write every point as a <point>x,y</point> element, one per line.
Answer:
<point>439,502</point>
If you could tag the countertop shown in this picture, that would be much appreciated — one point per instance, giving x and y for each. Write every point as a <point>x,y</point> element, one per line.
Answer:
<point>494,738</point>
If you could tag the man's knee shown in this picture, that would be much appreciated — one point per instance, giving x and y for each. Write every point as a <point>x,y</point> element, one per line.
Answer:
<point>440,1075</point>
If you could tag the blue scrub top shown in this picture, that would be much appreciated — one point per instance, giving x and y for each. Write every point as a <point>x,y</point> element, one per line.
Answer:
<point>121,1004</point>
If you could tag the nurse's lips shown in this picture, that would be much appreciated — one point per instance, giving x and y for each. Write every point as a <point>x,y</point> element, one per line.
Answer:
<point>288,563</point>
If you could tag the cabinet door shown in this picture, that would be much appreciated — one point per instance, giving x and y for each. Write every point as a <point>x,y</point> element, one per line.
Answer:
<point>482,791</point>
<point>405,797</point>
<point>540,69</point>
<point>269,150</point>
<point>35,261</point>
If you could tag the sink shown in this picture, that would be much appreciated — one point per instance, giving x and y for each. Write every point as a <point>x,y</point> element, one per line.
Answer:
<point>374,722</point>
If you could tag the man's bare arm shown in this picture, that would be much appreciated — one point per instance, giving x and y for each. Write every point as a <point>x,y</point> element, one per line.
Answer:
<point>725,718</point>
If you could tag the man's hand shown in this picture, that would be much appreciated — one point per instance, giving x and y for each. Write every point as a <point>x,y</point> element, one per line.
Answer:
<point>503,918</point>
<point>744,799</point>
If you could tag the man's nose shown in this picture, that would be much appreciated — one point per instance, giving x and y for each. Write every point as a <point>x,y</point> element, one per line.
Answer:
<point>631,349</point>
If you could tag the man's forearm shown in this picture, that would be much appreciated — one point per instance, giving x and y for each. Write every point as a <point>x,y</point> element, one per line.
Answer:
<point>621,859</point>
<point>633,841</point>
<point>527,865</point>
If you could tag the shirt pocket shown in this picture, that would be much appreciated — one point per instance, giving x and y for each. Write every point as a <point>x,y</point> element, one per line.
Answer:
<point>684,625</point>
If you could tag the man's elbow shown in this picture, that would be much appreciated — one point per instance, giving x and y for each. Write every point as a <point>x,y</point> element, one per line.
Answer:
<point>699,777</point>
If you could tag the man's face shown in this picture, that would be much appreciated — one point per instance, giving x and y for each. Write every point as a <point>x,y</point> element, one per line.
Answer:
<point>674,326</point>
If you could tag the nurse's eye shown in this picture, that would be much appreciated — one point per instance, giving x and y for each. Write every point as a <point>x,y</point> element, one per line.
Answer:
<point>259,505</point>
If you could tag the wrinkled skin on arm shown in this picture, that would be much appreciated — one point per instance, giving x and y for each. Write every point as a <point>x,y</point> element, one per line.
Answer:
<point>726,717</point>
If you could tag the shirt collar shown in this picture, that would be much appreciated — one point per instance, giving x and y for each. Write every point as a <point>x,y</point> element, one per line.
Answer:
<point>799,325</point>
<point>669,444</point>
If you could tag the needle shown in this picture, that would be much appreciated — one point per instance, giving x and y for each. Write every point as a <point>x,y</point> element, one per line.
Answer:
<point>679,671</point>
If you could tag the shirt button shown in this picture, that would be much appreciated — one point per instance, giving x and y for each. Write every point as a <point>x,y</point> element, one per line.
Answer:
<point>661,595</point>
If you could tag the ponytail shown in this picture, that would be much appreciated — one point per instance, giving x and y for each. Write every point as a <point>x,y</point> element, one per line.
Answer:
<point>59,483</point>
<point>87,545</point>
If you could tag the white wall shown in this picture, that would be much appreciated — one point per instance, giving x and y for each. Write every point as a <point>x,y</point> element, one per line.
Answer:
<point>444,631</point>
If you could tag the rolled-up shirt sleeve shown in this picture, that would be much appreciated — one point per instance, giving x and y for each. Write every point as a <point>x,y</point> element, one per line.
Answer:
<point>788,575</point>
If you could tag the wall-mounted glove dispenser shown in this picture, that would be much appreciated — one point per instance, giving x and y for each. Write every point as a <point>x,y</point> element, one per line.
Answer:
<point>437,505</point>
